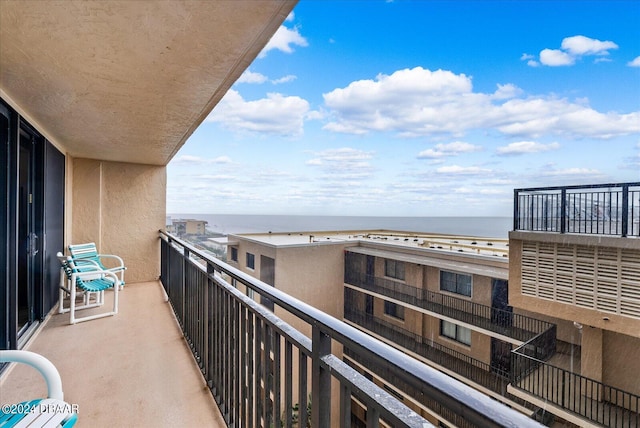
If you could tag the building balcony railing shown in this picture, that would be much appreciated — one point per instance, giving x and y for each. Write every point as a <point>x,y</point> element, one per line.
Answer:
<point>492,378</point>
<point>256,365</point>
<point>606,209</point>
<point>504,322</point>
<point>452,417</point>
<point>587,398</point>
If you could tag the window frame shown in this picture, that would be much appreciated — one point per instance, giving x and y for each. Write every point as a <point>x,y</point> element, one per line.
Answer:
<point>394,269</point>
<point>397,312</point>
<point>457,336</point>
<point>250,257</point>
<point>458,285</point>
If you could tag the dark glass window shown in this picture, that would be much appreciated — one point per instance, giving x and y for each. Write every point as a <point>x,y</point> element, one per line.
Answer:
<point>455,332</point>
<point>458,283</point>
<point>251,261</point>
<point>394,310</point>
<point>234,254</point>
<point>394,269</point>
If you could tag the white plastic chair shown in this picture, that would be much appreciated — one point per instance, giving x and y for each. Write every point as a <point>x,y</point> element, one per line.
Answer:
<point>50,412</point>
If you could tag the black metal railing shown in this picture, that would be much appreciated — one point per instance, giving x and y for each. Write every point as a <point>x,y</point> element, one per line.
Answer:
<point>588,398</point>
<point>452,417</point>
<point>492,378</point>
<point>250,357</point>
<point>504,322</point>
<point>604,209</point>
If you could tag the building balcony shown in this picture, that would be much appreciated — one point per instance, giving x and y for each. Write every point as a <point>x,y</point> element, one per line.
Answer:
<point>546,381</point>
<point>132,369</point>
<point>259,367</point>
<point>457,364</point>
<point>499,323</point>
<point>607,209</point>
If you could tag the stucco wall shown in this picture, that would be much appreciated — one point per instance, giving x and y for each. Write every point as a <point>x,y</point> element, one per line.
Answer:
<point>120,207</point>
<point>588,317</point>
<point>621,365</point>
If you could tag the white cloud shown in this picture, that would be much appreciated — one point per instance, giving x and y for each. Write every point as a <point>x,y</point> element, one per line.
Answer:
<point>343,164</point>
<point>573,48</point>
<point>571,172</point>
<point>526,56</point>
<point>506,91</point>
<point>276,114</point>
<point>284,79</point>
<point>290,17</point>
<point>250,77</point>
<point>462,170</point>
<point>533,63</point>
<point>581,45</point>
<point>189,159</point>
<point>523,147</point>
<point>417,102</point>
<point>283,40</point>
<point>556,57</point>
<point>450,149</point>
<point>635,62</point>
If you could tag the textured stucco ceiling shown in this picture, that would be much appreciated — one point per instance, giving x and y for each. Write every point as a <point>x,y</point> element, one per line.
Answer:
<point>127,81</point>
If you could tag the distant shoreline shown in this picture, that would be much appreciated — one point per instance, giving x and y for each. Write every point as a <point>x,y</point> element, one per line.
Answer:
<point>495,227</point>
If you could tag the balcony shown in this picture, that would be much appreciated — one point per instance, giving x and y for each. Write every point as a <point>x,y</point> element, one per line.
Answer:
<point>134,368</point>
<point>607,209</point>
<point>257,366</point>
<point>576,258</point>
<point>493,378</point>
<point>500,323</point>
<point>533,373</point>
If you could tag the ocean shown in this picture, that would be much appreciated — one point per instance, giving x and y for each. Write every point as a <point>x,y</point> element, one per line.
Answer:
<point>490,227</point>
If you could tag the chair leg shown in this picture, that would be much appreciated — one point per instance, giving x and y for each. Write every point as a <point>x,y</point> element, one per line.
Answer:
<point>63,278</point>
<point>116,287</point>
<point>72,304</point>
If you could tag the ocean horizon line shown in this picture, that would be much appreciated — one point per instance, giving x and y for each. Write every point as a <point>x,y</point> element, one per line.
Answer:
<point>481,226</point>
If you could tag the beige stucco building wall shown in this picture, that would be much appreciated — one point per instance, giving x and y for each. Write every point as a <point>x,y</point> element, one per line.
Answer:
<point>608,341</point>
<point>120,207</point>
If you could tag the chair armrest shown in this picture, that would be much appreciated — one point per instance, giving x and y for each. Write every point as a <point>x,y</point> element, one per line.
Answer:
<point>113,256</point>
<point>40,363</point>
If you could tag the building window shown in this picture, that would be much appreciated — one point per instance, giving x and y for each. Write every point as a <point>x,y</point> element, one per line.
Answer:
<point>458,283</point>
<point>394,269</point>
<point>251,261</point>
<point>234,254</point>
<point>394,310</point>
<point>455,332</point>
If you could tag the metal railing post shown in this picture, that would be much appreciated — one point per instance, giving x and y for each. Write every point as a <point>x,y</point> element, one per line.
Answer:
<point>516,219</point>
<point>625,210</point>
<point>563,210</point>
<point>321,381</point>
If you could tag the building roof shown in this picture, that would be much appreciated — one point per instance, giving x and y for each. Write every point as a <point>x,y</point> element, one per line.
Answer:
<point>433,243</point>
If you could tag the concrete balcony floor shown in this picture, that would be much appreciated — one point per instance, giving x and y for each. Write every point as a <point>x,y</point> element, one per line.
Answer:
<point>131,370</point>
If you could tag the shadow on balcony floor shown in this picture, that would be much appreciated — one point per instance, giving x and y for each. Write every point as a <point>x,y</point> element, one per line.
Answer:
<point>133,369</point>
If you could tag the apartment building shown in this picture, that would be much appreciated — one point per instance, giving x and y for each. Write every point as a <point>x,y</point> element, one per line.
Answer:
<point>441,299</point>
<point>575,259</point>
<point>183,227</point>
<point>546,322</point>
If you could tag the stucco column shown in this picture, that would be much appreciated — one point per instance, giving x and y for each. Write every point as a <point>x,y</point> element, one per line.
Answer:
<point>591,357</point>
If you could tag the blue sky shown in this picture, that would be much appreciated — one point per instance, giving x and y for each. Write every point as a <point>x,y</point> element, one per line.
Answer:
<point>425,108</point>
